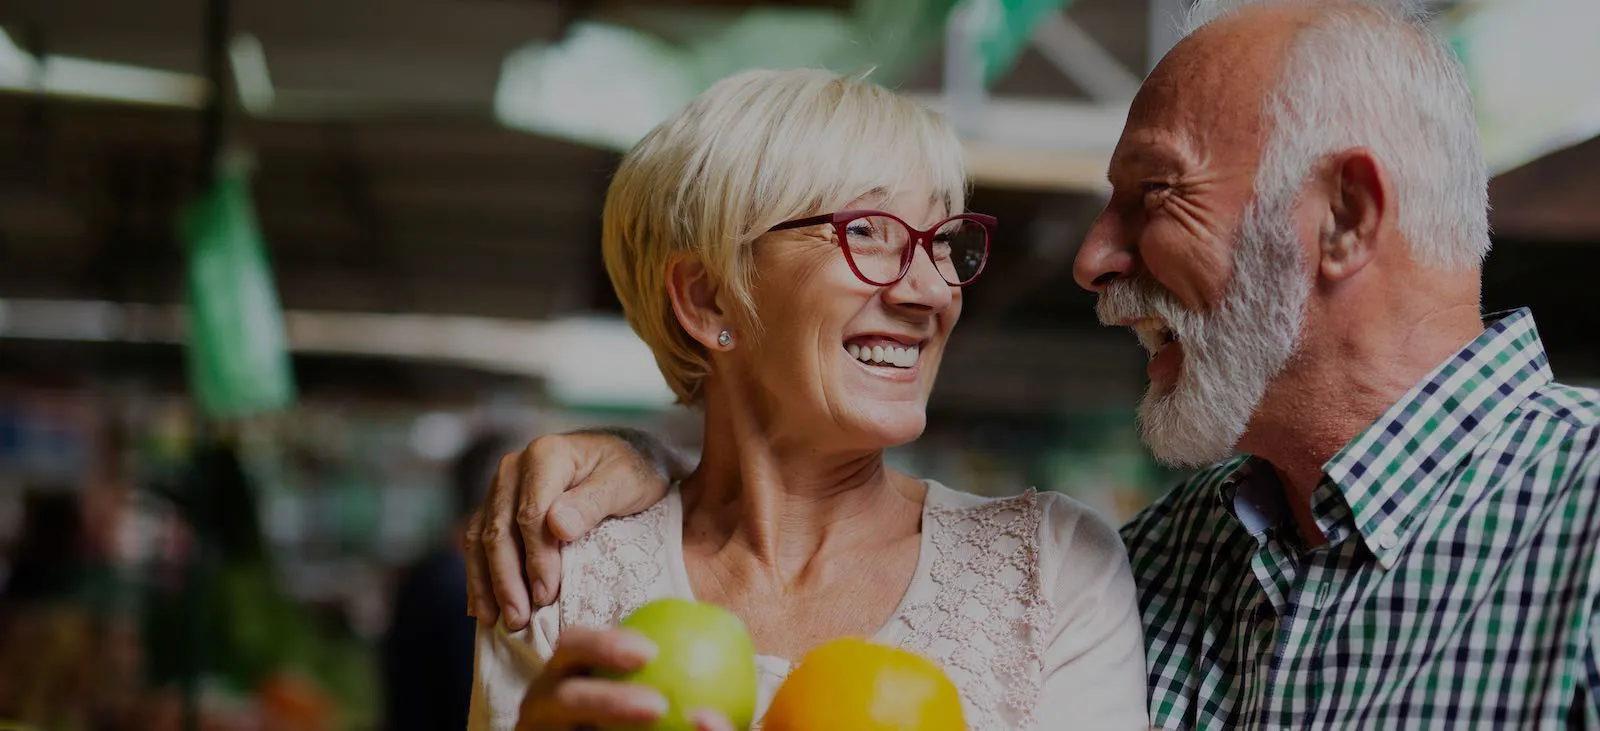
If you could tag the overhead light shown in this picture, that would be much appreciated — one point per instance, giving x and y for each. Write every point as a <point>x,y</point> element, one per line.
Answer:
<point>603,85</point>
<point>17,67</point>
<point>600,362</point>
<point>438,435</point>
<point>250,76</point>
<point>584,362</point>
<point>81,77</point>
<point>71,76</point>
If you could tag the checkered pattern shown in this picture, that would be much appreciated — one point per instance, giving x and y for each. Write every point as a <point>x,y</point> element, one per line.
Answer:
<point>1458,588</point>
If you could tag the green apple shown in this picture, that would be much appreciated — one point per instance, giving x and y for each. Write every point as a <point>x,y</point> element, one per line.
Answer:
<point>704,660</point>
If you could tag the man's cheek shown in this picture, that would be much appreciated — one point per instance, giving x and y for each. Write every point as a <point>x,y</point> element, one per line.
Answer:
<point>1196,270</point>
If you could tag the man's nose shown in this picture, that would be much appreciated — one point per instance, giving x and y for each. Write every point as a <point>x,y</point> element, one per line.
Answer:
<point>1105,256</point>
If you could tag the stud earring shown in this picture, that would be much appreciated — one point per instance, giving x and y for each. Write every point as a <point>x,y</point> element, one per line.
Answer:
<point>725,338</point>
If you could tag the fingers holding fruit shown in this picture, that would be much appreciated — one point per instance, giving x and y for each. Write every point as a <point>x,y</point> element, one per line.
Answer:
<point>673,665</point>
<point>705,666</point>
<point>584,650</point>
<point>577,703</point>
<point>680,665</point>
<point>711,721</point>
<point>567,696</point>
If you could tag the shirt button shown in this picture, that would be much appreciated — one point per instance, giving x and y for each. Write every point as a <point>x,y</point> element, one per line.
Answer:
<point>1387,539</point>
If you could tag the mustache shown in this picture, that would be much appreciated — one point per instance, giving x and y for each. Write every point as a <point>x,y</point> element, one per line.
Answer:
<point>1136,299</point>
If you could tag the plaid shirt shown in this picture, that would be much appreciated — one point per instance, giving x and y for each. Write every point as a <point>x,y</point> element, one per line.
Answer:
<point>1458,587</point>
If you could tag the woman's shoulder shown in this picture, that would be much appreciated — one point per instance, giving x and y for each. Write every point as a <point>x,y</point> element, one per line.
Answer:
<point>1073,543</point>
<point>1077,532</point>
<point>1000,589</point>
<point>619,566</point>
<point>1059,520</point>
<point>650,526</point>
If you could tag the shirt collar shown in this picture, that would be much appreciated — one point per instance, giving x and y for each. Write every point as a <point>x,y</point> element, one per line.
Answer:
<point>1389,474</point>
<point>1252,493</point>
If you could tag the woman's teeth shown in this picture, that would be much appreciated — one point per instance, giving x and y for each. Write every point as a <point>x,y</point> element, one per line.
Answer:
<point>880,355</point>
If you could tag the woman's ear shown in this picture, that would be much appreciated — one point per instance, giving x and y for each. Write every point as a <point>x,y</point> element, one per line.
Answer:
<point>697,300</point>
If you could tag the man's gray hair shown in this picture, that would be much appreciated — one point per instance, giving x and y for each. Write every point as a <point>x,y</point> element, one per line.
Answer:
<point>1374,73</point>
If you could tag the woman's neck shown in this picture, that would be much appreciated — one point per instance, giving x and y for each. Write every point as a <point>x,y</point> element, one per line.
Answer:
<point>776,501</point>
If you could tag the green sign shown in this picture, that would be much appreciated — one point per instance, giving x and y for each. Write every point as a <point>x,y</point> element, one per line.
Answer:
<point>237,350</point>
<point>1006,31</point>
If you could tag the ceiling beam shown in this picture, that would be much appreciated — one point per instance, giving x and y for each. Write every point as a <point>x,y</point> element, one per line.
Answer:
<point>1089,65</point>
<point>1040,144</point>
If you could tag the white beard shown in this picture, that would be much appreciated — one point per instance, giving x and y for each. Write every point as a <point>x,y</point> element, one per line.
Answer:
<point>1230,353</point>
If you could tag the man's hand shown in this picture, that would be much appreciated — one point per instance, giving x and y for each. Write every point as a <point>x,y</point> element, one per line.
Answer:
<point>557,489</point>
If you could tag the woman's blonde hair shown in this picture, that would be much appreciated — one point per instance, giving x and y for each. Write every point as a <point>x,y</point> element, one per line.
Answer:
<point>757,149</point>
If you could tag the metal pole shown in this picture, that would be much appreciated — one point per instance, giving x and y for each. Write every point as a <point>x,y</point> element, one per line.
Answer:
<point>213,118</point>
<point>1076,54</point>
<point>965,91</point>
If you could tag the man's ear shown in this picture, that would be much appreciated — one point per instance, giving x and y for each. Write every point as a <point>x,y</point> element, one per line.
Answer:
<point>1359,208</point>
<point>697,300</point>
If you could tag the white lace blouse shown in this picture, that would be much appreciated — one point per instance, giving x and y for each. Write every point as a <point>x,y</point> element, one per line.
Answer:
<point>1027,602</point>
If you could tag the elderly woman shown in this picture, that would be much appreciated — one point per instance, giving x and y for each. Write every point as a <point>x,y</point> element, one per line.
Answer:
<point>792,247</point>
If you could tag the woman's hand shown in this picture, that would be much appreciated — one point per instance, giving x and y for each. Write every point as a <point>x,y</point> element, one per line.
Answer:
<point>566,696</point>
<point>711,721</point>
<point>557,489</point>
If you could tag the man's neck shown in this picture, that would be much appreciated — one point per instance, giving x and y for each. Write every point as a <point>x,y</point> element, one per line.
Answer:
<point>1338,385</point>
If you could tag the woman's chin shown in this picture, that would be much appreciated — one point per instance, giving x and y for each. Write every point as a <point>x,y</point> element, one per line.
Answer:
<point>889,425</point>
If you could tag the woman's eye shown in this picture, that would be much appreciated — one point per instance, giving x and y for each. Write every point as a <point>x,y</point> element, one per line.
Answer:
<point>859,229</point>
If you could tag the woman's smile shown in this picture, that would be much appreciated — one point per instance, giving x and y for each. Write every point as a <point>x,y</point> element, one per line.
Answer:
<point>890,357</point>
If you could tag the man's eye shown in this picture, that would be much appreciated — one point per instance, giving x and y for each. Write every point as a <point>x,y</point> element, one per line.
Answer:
<point>1153,186</point>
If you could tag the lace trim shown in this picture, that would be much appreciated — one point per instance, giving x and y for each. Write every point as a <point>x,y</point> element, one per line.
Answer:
<point>613,569</point>
<point>988,617</point>
<point>985,624</point>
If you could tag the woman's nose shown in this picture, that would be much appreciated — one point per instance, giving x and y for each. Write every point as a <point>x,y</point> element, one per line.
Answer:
<point>923,287</point>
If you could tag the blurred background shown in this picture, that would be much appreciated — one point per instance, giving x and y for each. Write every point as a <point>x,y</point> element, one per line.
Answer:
<point>278,278</point>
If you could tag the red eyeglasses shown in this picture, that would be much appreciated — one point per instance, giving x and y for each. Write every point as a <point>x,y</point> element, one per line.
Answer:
<point>880,247</point>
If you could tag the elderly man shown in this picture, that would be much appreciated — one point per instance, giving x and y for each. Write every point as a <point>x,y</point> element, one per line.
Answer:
<point>1403,528</point>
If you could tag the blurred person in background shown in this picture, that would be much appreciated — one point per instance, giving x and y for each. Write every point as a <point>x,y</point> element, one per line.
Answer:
<point>1394,522</point>
<point>47,634</point>
<point>792,247</point>
<point>69,650</point>
<point>427,652</point>
<point>70,656</point>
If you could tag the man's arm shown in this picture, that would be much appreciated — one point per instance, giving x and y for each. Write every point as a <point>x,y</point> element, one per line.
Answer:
<point>556,489</point>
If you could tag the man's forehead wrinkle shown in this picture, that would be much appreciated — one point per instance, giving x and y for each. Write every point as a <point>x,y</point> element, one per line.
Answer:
<point>1166,116</point>
<point>1183,130</point>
